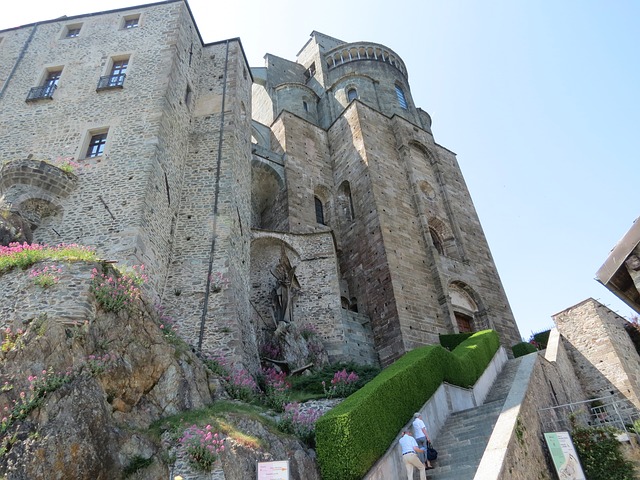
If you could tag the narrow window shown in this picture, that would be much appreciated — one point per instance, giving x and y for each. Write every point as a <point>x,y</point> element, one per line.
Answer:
<point>96,145</point>
<point>352,94</point>
<point>131,22</point>
<point>305,106</point>
<point>187,96</point>
<point>319,211</point>
<point>401,98</point>
<point>437,241</point>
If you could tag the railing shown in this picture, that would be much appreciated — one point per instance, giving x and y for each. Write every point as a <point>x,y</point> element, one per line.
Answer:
<point>611,411</point>
<point>38,93</point>
<point>111,81</point>
<point>354,52</point>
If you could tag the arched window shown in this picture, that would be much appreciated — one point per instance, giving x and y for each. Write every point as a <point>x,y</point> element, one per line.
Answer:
<point>319,211</point>
<point>402,100</point>
<point>352,94</point>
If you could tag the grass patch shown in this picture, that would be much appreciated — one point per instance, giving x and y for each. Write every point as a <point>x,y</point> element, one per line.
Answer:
<point>214,415</point>
<point>23,255</point>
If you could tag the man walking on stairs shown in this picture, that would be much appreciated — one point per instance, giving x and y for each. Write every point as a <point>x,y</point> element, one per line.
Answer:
<point>421,436</point>
<point>410,451</point>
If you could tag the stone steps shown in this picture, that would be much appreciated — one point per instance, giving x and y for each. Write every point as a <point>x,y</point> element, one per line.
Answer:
<point>464,437</point>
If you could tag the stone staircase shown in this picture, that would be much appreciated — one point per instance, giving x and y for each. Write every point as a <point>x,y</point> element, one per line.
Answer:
<point>463,438</point>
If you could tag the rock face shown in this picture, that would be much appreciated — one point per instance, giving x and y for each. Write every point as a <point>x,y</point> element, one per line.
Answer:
<point>13,228</point>
<point>78,398</point>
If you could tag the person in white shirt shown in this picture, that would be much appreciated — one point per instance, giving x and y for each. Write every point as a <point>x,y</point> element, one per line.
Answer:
<point>410,451</point>
<point>421,437</point>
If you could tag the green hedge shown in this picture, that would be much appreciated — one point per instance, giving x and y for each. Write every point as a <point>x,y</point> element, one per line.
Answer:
<point>542,338</point>
<point>353,436</point>
<point>523,348</point>
<point>451,341</point>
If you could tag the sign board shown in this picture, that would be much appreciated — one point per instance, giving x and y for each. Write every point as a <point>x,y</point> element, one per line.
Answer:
<point>564,456</point>
<point>273,470</point>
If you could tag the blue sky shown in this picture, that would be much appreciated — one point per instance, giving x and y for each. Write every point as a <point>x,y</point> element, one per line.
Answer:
<point>540,101</point>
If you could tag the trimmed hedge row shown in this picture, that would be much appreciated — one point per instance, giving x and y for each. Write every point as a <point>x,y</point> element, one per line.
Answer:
<point>353,436</point>
<point>523,348</point>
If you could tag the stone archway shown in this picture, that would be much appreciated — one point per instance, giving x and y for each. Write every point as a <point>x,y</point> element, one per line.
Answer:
<point>469,314</point>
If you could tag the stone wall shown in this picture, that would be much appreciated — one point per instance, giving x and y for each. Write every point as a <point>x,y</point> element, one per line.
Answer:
<point>69,300</point>
<point>118,220</point>
<point>601,350</point>
<point>517,443</point>
<point>213,226</point>
<point>318,301</point>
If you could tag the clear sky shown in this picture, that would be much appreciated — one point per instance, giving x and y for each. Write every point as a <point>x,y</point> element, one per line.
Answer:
<point>539,99</point>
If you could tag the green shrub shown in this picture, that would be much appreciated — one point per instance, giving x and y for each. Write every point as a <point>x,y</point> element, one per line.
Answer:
<point>351,437</point>
<point>523,348</point>
<point>600,454</point>
<point>542,338</point>
<point>451,341</point>
<point>313,383</point>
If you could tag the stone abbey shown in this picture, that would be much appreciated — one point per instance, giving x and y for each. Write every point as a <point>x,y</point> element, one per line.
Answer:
<point>309,192</point>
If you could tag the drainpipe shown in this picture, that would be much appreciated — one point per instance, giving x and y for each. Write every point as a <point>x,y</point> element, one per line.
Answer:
<point>216,195</point>
<point>19,59</point>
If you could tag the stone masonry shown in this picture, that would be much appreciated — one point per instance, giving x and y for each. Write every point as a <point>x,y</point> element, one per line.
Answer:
<point>208,169</point>
<point>601,350</point>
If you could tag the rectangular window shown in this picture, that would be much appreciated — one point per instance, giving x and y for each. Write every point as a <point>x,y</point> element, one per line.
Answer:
<point>51,80</point>
<point>96,145</point>
<point>72,31</point>
<point>48,86</point>
<point>131,22</point>
<point>116,77</point>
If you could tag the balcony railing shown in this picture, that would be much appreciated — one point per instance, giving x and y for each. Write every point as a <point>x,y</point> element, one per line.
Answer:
<point>38,93</point>
<point>111,81</point>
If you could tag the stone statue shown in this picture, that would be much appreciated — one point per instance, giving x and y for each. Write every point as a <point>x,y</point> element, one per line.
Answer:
<point>286,288</point>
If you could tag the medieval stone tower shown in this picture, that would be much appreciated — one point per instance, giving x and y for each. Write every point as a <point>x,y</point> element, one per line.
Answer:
<point>223,180</point>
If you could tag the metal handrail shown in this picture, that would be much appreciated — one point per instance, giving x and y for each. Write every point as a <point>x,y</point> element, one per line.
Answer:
<point>111,81</point>
<point>44,91</point>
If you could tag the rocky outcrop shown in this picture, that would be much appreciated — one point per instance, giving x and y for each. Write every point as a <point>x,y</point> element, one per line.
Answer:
<point>78,398</point>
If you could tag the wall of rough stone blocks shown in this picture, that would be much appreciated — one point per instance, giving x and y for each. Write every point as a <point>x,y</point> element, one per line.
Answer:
<point>215,210</point>
<point>69,300</point>
<point>120,221</point>
<point>307,167</point>
<point>601,349</point>
<point>318,301</point>
<point>551,381</point>
<point>359,346</point>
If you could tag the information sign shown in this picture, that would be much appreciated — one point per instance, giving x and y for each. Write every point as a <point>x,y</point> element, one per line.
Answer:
<point>273,470</point>
<point>564,456</point>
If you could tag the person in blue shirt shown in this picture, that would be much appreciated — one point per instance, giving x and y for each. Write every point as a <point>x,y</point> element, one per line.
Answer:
<point>410,451</point>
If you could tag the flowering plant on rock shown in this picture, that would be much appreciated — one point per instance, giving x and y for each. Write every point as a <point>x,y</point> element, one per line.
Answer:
<point>203,446</point>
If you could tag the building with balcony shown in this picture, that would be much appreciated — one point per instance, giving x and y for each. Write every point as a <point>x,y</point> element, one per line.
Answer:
<point>216,176</point>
